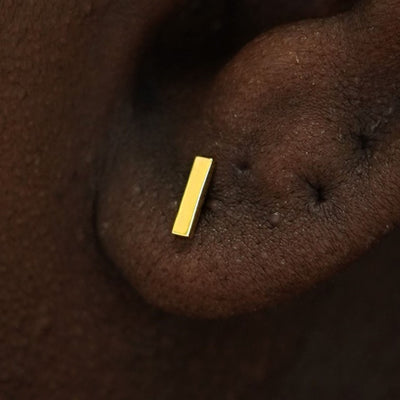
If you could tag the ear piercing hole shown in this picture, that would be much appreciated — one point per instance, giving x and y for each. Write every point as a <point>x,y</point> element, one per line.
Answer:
<point>243,166</point>
<point>366,143</point>
<point>318,191</point>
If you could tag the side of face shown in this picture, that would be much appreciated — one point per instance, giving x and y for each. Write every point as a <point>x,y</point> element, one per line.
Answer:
<point>99,125</point>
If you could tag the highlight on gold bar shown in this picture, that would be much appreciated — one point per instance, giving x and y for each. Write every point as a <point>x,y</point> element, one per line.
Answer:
<point>193,197</point>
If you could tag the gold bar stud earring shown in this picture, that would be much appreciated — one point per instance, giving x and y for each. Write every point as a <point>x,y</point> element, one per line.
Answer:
<point>193,197</point>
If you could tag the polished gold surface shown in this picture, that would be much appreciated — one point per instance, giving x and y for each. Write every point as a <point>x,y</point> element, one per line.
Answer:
<point>193,197</point>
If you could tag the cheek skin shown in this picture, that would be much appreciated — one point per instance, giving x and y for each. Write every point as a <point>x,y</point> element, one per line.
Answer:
<point>295,195</point>
<point>61,65</point>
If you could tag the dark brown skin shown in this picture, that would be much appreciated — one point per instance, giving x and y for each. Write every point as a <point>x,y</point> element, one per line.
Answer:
<point>103,106</point>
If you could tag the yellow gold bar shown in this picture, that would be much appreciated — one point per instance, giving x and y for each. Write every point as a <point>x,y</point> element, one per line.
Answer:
<point>193,197</point>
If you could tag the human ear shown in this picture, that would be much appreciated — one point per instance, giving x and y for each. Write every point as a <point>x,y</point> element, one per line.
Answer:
<point>303,123</point>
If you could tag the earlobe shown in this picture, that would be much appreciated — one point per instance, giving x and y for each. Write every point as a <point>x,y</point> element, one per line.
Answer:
<point>305,181</point>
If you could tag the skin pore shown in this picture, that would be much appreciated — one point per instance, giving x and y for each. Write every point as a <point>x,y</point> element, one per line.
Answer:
<point>104,104</point>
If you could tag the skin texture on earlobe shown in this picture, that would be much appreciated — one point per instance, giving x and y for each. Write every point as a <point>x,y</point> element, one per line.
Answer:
<point>305,133</point>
